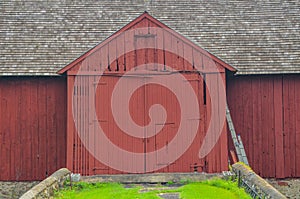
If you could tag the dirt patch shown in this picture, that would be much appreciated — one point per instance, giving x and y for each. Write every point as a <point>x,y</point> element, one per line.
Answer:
<point>11,190</point>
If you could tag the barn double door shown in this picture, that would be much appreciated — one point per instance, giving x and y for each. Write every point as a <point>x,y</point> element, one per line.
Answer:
<point>154,139</point>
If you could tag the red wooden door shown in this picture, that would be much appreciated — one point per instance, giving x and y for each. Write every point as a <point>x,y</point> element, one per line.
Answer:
<point>155,138</point>
<point>140,102</point>
<point>118,136</point>
<point>154,142</point>
<point>168,159</point>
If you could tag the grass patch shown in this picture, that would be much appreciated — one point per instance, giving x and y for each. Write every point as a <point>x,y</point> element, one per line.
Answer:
<point>215,188</point>
<point>103,191</point>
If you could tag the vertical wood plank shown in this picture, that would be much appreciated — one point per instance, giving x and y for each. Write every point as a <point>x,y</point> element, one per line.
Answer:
<point>278,119</point>
<point>80,130</point>
<point>60,108</point>
<point>260,129</point>
<point>112,54</point>
<point>223,138</point>
<point>287,118</point>
<point>160,46</point>
<point>212,95</point>
<point>197,60</point>
<point>34,127</point>
<point>11,115</point>
<point>265,131</point>
<point>292,125</point>
<point>5,148</point>
<point>51,129</point>
<point>297,131</point>
<point>247,119</point>
<point>271,128</point>
<point>18,148</point>
<point>70,123</point>
<point>26,135</point>
<point>42,139</point>
<point>188,57</point>
<point>120,52</point>
<point>90,96</point>
<point>168,60</point>
<point>256,124</point>
<point>179,53</point>
<point>129,60</point>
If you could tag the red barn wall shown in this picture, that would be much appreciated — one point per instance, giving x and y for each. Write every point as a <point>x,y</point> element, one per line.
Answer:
<point>266,113</point>
<point>32,127</point>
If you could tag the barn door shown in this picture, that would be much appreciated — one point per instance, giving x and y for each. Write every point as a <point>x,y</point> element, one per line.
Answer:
<point>166,131</point>
<point>140,103</point>
<point>162,131</point>
<point>155,138</point>
<point>106,119</point>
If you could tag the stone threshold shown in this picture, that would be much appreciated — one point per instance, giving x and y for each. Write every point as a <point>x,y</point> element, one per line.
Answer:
<point>151,178</point>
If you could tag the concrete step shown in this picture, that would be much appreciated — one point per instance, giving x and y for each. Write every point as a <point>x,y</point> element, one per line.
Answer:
<point>151,178</point>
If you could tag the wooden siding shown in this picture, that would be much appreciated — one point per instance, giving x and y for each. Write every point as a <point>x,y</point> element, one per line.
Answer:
<point>106,57</point>
<point>266,112</point>
<point>32,127</point>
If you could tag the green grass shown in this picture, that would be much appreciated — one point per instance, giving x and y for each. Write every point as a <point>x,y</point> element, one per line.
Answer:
<point>215,188</point>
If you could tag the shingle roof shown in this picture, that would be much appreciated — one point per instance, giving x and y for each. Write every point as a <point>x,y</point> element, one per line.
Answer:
<point>256,37</point>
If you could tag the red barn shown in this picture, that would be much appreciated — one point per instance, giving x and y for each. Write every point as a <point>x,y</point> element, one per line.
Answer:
<point>47,85</point>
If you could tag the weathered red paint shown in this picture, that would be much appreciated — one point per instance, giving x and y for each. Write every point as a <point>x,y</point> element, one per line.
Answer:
<point>32,127</point>
<point>265,111</point>
<point>80,161</point>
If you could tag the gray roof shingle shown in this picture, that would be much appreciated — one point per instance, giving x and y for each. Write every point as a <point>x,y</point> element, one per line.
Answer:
<point>256,37</point>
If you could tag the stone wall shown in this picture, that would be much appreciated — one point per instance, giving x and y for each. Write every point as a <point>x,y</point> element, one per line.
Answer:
<point>47,187</point>
<point>14,189</point>
<point>255,182</point>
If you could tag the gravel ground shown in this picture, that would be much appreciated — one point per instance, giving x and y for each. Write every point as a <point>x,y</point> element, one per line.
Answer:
<point>288,187</point>
<point>12,190</point>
